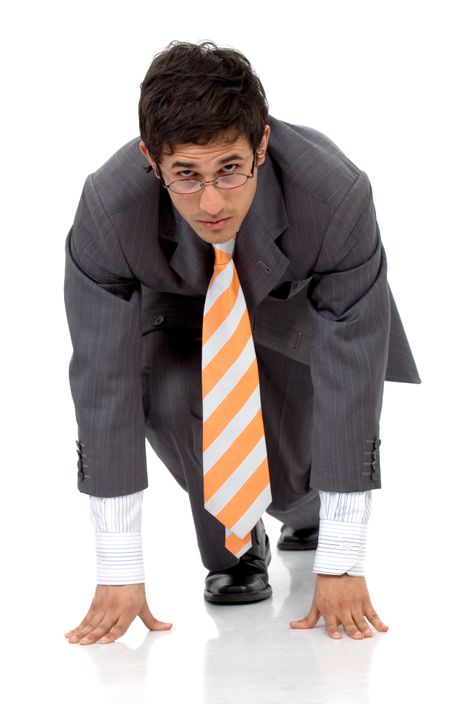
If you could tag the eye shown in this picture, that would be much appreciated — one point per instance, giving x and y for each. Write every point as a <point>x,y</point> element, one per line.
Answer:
<point>185,174</point>
<point>230,168</point>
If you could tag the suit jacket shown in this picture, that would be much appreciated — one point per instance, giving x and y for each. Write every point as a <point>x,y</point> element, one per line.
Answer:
<point>313,271</point>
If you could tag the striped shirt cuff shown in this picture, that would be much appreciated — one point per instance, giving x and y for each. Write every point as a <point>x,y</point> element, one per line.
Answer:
<point>119,558</point>
<point>343,532</point>
<point>117,521</point>
<point>341,548</point>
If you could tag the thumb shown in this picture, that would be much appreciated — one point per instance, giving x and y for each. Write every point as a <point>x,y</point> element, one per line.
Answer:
<point>309,621</point>
<point>151,622</point>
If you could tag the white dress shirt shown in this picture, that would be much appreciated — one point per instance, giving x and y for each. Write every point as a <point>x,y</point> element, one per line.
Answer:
<point>117,521</point>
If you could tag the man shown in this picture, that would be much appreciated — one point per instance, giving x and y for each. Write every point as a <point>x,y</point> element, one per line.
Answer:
<point>232,206</point>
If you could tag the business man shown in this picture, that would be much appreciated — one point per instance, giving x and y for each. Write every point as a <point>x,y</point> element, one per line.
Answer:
<point>227,299</point>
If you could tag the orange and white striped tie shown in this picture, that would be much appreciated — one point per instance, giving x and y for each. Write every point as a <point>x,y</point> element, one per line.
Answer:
<point>235,468</point>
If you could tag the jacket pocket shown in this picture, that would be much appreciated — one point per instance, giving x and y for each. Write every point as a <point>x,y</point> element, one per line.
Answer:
<point>282,321</point>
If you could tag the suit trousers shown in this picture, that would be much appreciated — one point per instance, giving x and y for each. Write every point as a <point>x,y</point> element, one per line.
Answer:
<point>172,399</point>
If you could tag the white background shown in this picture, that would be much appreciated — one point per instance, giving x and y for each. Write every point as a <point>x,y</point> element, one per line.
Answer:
<point>373,76</point>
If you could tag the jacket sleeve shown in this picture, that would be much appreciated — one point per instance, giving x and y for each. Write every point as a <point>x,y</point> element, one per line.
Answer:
<point>350,310</point>
<point>103,308</point>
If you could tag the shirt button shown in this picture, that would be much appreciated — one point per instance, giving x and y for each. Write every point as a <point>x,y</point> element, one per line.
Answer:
<point>158,320</point>
<point>347,547</point>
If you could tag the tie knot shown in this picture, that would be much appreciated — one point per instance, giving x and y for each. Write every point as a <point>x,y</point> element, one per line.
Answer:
<point>223,252</point>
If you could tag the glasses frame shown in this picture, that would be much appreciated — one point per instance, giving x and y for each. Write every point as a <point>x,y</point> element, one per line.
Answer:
<point>205,183</point>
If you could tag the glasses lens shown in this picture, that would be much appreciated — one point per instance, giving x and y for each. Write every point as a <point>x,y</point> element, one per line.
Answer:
<point>186,186</point>
<point>231,181</point>
<point>193,185</point>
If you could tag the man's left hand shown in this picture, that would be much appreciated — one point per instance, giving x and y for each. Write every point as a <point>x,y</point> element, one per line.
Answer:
<point>342,599</point>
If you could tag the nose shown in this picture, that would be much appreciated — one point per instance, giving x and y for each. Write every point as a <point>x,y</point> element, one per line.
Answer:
<point>212,200</point>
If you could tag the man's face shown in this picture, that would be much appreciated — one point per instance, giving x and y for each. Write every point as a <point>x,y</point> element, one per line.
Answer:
<point>214,214</point>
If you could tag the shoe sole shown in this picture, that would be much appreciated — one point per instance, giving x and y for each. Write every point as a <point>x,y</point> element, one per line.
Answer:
<point>296,546</point>
<point>230,599</point>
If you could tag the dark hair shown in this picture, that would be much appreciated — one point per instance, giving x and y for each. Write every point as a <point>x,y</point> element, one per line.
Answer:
<point>192,93</point>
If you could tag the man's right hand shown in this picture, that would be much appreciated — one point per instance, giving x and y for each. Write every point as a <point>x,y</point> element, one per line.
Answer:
<point>112,610</point>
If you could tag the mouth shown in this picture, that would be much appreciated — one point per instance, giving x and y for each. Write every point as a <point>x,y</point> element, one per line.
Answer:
<point>214,224</point>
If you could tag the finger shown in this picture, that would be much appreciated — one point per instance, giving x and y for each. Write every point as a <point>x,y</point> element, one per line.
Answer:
<point>92,616</point>
<point>98,632</point>
<point>375,620</point>
<point>160,625</point>
<point>332,628</point>
<point>351,628</point>
<point>309,621</point>
<point>79,627</point>
<point>87,626</point>
<point>151,622</point>
<point>363,626</point>
<point>116,631</point>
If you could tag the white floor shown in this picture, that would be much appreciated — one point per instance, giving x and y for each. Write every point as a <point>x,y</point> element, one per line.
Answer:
<point>243,654</point>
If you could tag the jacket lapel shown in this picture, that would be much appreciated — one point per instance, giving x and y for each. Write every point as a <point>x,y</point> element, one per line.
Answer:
<point>259,262</point>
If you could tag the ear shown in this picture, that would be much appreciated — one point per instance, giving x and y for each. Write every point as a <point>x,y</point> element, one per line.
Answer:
<point>150,160</point>
<point>262,149</point>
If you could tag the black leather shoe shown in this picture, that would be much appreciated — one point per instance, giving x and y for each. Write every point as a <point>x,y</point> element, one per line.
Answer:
<point>248,580</point>
<point>298,539</point>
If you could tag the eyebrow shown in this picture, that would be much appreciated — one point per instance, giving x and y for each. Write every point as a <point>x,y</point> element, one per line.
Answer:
<point>225,160</point>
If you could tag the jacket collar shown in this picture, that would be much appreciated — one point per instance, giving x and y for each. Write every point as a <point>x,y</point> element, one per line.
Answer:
<point>259,262</point>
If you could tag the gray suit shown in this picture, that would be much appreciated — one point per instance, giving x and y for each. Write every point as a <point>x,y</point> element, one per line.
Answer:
<point>326,328</point>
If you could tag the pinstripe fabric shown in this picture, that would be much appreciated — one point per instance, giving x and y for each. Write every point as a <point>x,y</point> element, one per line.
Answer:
<point>118,514</point>
<point>314,274</point>
<point>235,468</point>
<point>354,507</point>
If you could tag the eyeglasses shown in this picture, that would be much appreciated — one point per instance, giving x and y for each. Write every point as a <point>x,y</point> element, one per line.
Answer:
<point>188,186</point>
